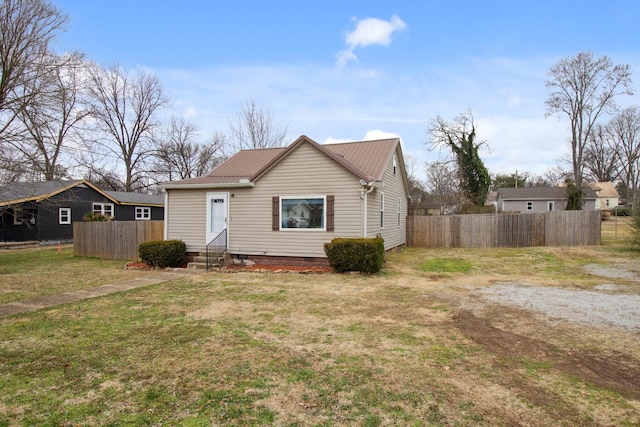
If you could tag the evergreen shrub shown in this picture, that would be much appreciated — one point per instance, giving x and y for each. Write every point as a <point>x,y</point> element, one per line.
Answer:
<point>163,253</point>
<point>364,255</point>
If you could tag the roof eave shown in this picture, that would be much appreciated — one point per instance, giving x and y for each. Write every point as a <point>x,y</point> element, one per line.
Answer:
<point>200,186</point>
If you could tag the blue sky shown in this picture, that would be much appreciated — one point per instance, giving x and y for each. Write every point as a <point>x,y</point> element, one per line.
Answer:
<point>363,69</point>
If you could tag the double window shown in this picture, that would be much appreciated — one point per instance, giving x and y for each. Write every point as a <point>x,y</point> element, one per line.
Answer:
<point>105,209</point>
<point>24,216</point>
<point>303,213</point>
<point>529,206</point>
<point>143,213</point>
<point>64,216</point>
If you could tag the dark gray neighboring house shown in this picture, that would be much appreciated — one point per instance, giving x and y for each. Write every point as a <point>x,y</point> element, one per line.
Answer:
<point>46,211</point>
<point>540,199</point>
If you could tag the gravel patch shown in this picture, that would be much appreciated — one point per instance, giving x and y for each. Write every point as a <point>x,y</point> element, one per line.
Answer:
<point>591,307</point>
<point>619,271</point>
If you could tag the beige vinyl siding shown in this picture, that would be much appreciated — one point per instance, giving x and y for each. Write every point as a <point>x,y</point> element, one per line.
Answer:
<point>186,217</point>
<point>394,189</point>
<point>304,172</point>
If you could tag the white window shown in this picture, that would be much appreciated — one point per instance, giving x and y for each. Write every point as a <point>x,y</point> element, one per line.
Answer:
<point>143,213</point>
<point>105,209</point>
<point>607,202</point>
<point>395,165</point>
<point>550,206</point>
<point>64,216</point>
<point>302,213</point>
<point>399,211</point>
<point>17,216</point>
<point>529,206</point>
<point>381,210</point>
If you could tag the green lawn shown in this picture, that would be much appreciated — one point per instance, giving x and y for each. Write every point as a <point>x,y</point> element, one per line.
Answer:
<point>405,347</point>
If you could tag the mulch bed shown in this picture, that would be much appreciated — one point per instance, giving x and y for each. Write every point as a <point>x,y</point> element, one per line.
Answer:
<point>263,268</point>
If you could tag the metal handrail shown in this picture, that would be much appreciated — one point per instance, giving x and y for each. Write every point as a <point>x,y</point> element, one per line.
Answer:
<point>218,246</point>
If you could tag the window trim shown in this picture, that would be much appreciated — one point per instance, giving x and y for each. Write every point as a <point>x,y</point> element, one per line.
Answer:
<point>381,210</point>
<point>142,216</point>
<point>325,225</point>
<point>64,212</point>
<point>399,211</point>
<point>18,216</point>
<point>529,206</point>
<point>102,210</point>
<point>551,206</point>
<point>395,164</point>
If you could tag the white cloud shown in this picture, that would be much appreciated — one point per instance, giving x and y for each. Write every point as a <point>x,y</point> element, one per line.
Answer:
<point>332,106</point>
<point>369,31</point>
<point>332,140</point>
<point>375,134</point>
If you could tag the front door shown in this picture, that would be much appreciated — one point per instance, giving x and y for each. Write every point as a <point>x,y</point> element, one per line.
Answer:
<point>217,213</point>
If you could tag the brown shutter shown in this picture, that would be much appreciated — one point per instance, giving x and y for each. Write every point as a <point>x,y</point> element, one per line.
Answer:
<point>330,217</point>
<point>275,214</point>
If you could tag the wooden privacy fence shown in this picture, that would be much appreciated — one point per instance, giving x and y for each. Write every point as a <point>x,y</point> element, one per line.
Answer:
<point>560,228</point>
<point>114,239</point>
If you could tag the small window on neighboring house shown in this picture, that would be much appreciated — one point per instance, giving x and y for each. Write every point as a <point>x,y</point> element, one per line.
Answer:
<point>395,165</point>
<point>381,210</point>
<point>64,216</point>
<point>607,202</point>
<point>550,206</point>
<point>143,213</point>
<point>17,216</point>
<point>399,211</point>
<point>105,209</point>
<point>529,206</point>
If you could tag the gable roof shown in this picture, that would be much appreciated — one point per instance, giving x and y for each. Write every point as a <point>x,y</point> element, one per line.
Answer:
<point>540,193</point>
<point>604,189</point>
<point>20,192</point>
<point>366,160</point>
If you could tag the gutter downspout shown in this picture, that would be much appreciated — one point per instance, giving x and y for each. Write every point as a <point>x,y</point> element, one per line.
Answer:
<point>363,195</point>
<point>166,214</point>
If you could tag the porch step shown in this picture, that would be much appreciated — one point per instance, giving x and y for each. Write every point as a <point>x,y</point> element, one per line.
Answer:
<point>200,262</point>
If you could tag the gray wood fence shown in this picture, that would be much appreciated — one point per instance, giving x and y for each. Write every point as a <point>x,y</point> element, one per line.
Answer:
<point>114,239</point>
<point>560,228</point>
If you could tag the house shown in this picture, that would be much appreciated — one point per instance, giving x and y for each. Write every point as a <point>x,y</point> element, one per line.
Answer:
<point>540,199</point>
<point>46,210</point>
<point>607,196</point>
<point>290,201</point>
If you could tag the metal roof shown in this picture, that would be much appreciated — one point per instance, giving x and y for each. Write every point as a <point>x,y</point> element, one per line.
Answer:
<point>365,159</point>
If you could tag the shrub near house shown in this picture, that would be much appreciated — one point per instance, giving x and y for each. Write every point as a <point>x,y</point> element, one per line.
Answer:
<point>163,253</point>
<point>365,255</point>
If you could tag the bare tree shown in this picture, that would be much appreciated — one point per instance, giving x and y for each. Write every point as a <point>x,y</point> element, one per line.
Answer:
<point>443,182</point>
<point>584,88</point>
<point>459,136</point>
<point>178,156</point>
<point>624,129</point>
<point>50,121</point>
<point>27,27</point>
<point>105,178</point>
<point>125,108</point>
<point>254,128</point>
<point>600,155</point>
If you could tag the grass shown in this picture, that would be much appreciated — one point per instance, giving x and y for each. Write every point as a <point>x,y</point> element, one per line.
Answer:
<point>292,350</point>
<point>32,273</point>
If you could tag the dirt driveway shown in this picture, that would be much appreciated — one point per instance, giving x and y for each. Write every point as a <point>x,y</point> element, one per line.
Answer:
<point>505,319</point>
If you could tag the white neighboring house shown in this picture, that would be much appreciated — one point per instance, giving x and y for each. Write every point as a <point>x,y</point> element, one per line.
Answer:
<point>607,196</point>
